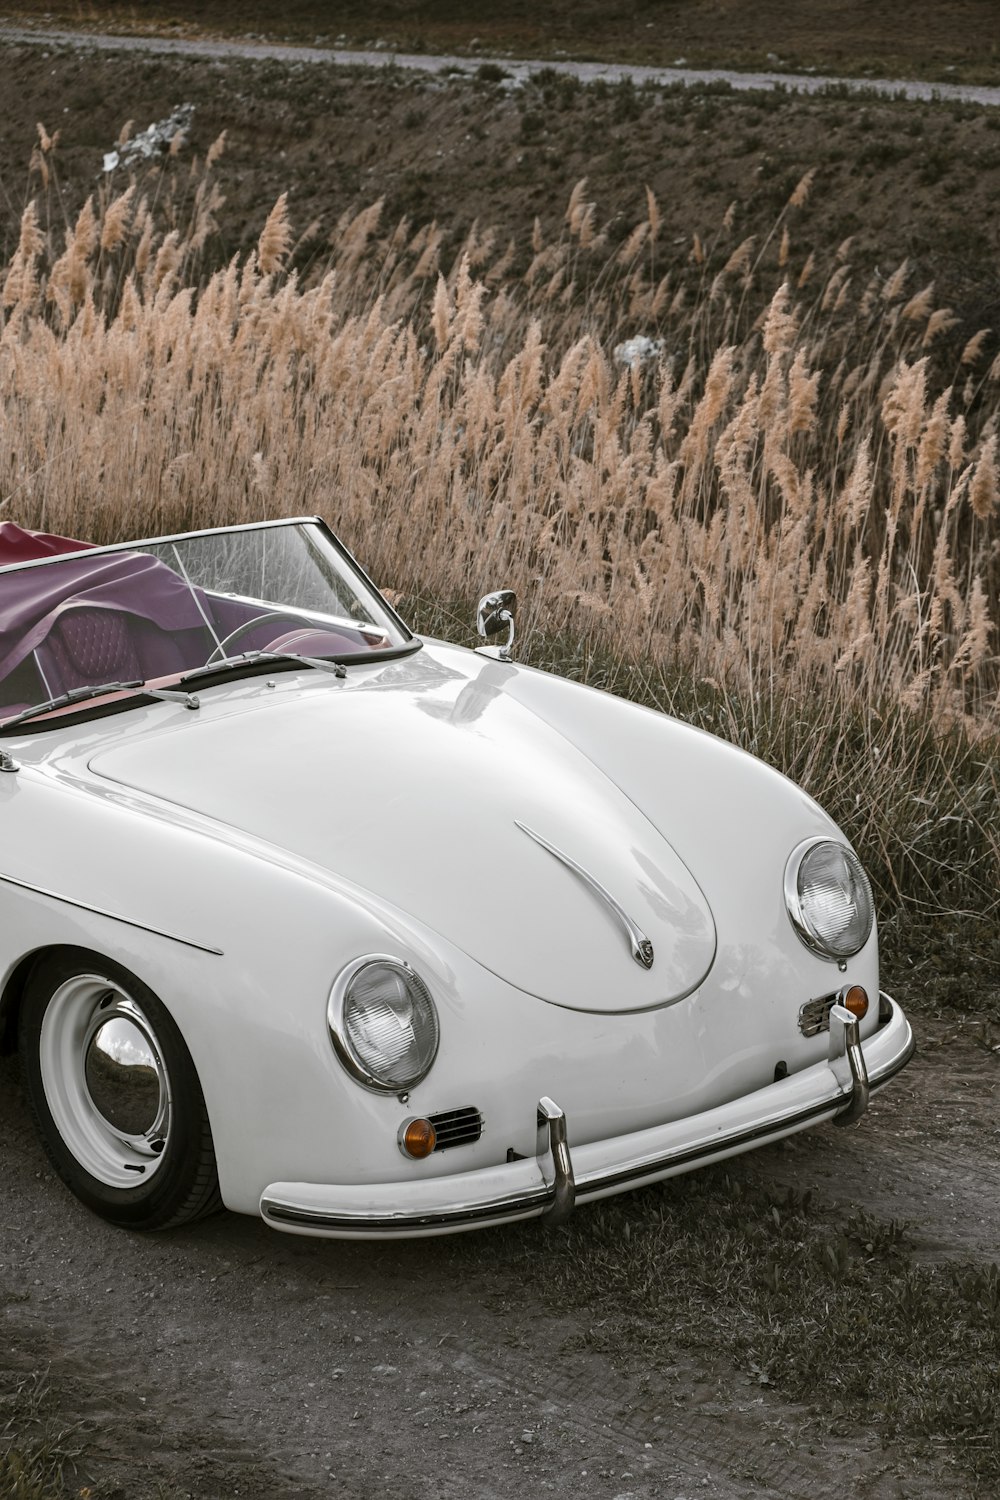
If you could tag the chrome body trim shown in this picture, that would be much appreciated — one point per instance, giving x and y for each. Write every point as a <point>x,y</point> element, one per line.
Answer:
<point>113,916</point>
<point>522,1189</point>
<point>162,541</point>
<point>526,1203</point>
<point>642,948</point>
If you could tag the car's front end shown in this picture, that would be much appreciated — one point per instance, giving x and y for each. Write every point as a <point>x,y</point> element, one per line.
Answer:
<point>451,942</point>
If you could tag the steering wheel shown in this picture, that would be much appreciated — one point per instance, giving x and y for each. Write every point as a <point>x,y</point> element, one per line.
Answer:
<point>241,630</point>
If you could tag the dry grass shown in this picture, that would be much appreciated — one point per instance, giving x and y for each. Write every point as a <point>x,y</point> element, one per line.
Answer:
<point>793,503</point>
<point>37,1449</point>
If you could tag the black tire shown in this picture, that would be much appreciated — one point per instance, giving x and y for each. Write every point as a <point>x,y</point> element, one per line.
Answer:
<point>149,1178</point>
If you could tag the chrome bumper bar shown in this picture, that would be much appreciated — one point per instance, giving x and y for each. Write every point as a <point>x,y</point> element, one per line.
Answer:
<point>549,1184</point>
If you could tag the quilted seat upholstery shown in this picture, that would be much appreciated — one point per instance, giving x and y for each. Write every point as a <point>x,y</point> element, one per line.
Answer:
<point>87,646</point>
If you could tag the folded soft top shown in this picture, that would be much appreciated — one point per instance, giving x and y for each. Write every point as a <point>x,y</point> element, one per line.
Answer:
<point>18,545</point>
<point>33,599</point>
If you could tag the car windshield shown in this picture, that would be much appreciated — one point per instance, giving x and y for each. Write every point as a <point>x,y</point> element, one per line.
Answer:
<point>78,617</point>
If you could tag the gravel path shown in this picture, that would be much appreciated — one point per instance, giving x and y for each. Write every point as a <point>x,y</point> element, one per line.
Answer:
<point>807,83</point>
<point>224,1359</point>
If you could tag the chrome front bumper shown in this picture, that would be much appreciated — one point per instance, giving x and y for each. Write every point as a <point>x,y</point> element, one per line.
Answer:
<point>548,1184</point>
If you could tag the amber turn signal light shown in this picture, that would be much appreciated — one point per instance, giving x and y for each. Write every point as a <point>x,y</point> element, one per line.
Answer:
<point>855,999</point>
<point>417,1138</point>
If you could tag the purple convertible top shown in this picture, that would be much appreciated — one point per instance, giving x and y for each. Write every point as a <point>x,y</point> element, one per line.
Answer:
<point>18,545</point>
<point>32,600</point>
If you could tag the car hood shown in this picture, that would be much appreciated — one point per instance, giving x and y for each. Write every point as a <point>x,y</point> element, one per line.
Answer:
<point>444,796</point>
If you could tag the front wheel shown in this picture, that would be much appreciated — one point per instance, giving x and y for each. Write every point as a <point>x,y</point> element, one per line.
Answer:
<point>115,1094</point>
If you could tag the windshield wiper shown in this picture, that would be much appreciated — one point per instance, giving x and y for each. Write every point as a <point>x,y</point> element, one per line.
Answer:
<point>168,695</point>
<point>81,694</point>
<point>250,658</point>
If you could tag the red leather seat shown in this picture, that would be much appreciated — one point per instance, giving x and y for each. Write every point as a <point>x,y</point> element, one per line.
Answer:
<point>88,645</point>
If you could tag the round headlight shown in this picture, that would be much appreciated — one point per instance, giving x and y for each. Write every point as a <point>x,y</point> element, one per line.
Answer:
<point>829,898</point>
<point>383,1023</point>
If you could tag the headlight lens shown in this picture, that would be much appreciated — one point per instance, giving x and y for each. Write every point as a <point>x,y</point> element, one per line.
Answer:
<point>829,898</point>
<point>383,1023</point>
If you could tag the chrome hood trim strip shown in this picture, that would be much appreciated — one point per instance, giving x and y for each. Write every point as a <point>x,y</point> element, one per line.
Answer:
<point>642,948</point>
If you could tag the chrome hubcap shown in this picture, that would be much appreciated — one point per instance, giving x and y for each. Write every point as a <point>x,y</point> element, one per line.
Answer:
<point>123,1074</point>
<point>105,1081</point>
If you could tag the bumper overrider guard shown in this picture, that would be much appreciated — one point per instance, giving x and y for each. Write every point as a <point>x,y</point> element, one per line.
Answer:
<point>548,1185</point>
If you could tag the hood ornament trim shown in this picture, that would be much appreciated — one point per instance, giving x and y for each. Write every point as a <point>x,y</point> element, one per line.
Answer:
<point>642,948</point>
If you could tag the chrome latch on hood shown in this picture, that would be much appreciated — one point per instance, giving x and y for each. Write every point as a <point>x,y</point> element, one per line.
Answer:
<point>642,948</point>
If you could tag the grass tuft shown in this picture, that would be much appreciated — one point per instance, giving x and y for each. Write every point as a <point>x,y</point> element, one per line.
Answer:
<point>36,1449</point>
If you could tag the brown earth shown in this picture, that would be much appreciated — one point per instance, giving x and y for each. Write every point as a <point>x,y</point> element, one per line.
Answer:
<point>227,1360</point>
<point>906,180</point>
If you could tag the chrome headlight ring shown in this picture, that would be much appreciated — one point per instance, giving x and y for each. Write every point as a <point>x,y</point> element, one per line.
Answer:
<point>829,898</point>
<point>383,1023</point>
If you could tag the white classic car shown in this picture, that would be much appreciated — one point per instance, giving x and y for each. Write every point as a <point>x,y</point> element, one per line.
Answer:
<point>374,935</point>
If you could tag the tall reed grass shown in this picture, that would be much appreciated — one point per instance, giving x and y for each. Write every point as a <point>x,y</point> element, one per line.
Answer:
<point>790,507</point>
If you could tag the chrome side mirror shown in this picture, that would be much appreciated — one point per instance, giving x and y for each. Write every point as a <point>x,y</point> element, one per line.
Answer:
<point>494,614</point>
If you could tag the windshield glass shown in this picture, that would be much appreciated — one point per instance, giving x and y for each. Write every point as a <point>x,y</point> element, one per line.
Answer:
<point>152,611</point>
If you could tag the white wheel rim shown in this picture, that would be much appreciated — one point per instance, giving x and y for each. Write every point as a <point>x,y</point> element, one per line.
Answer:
<point>91,1013</point>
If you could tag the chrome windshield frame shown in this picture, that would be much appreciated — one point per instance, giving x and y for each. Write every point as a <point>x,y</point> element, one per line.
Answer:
<point>71,714</point>
<point>184,536</point>
<point>175,536</point>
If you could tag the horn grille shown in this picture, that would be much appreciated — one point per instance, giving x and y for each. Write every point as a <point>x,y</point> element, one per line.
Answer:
<point>814,1016</point>
<point>457,1127</point>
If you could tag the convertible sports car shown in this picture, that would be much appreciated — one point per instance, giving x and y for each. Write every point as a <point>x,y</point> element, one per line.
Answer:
<point>374,935</point>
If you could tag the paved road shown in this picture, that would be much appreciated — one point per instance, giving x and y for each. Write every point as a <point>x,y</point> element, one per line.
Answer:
<point>520,71</point>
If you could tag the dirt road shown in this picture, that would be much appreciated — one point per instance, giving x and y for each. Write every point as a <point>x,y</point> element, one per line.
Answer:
<point>517,70</point>
<point>228,1360</point>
